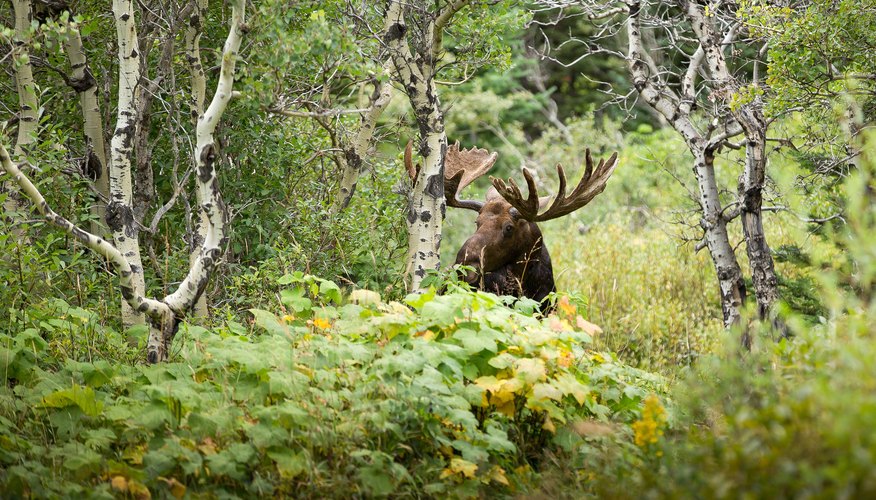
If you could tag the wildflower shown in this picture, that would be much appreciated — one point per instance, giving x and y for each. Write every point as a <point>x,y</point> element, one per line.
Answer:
<point>288,318</point>
<point>649,428</point>
<point>322,323</point>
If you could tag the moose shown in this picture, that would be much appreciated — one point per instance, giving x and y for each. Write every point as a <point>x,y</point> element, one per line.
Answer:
<point>507,251</point>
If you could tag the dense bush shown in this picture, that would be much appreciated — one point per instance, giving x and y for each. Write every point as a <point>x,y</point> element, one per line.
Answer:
<point>789,419</point>
<point>455,394</point>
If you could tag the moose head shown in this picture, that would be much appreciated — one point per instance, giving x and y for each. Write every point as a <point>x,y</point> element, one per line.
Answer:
<point>507,250</point>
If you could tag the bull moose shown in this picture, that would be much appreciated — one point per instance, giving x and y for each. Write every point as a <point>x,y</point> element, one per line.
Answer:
<point>507,251</point>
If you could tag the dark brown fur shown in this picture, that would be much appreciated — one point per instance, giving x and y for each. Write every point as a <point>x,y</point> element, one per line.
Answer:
<point>508,253</point>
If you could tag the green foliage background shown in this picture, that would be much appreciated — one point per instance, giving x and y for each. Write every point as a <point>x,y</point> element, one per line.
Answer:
<point>303,384</point>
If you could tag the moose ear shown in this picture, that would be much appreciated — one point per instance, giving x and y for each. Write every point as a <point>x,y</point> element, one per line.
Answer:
<point>544,201</point>
<point>492,193</point>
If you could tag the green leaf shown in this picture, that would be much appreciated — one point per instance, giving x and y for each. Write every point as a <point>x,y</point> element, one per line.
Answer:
<point>83,397</point>
<point>475,342</point>
<point>269,322</point>
<point>289,464</point>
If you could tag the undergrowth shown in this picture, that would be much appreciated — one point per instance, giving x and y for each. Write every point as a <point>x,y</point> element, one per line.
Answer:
<point>456,395</point>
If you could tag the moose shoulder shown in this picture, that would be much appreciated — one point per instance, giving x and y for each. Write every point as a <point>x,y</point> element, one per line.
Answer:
<point>507,251</point>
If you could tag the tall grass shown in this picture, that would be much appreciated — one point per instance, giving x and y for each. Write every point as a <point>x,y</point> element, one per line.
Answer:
<point>655,299</point>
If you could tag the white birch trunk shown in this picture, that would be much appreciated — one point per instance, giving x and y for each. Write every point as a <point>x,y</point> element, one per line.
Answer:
<point>199,95</point>
<point>751,181</point>
<point>677,111</point>
<point>120,213</point>
<point>357,150</point>
<point>28,107</point>
<point>426,205</point>
<point>212,208</point>
<point>166,313</point>
<point>95,147</point>
<point>727,269</point>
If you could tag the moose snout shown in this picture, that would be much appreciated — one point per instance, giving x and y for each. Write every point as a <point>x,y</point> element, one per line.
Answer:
<point>471,254</point>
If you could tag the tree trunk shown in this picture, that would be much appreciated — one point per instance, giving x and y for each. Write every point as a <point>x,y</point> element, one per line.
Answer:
<point>95,146</point>
<point>426,204</point>
<point>751,182</point>
<point>677,110</point>
<point>164,314</point>
<point>28,114</point>
<point>356,151</point>
<point>120,213</point>
<point>730,281</point>
<point>199,95</point>
<point>212,208</point>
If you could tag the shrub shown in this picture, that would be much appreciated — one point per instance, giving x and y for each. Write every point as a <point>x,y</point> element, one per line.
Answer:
<point>442,395</point>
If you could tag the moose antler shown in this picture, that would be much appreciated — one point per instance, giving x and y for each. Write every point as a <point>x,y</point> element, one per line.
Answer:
<point>592,183</point>
<point>461,168</point>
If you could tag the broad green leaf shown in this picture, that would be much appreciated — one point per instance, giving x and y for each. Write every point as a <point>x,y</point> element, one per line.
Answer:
<point>83,397</point>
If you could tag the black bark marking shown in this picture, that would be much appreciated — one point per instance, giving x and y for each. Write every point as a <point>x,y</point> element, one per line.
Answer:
<point>395,32</point>
<point>125,17</point>
<point>82,84</point>
<point>425,216</point>
<point>91,167</point>
<point>205,171</point>
<point>412,216</point>
<point>126,133</point>
<point>77,233</point>
<point>435,186</point>
<point>120,217</point>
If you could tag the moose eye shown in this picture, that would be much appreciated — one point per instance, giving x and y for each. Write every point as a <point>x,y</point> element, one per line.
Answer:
<point>508,229</point>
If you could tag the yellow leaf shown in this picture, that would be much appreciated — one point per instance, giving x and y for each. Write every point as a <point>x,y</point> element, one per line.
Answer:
<point>426,334</point>
<point>322,323</point>
<point>497,474</point>
<point>542,392</point>
<point>119,483</point>
<point>463,467</point>
<point>549,426</point>
<point>365,297</point>
<point>530,370</point>
<point>588,327</point>
<point>558,325</point>
<point>507,408</point>
<point>565,307</point>
<point>207,447</point>
<point>489,383</point>
<point>139,490</point>
<point>177,489</point>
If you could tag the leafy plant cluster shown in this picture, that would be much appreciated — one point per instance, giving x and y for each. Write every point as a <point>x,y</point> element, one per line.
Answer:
<point>323,395</point>
<point>791,418</point>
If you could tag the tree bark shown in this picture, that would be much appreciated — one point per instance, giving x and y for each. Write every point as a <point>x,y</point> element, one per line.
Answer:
<point>95,146</point>
<point>199,95</point>
<point>426,204</point>
<point>120,213</point>
<point>164,314</point>
<point>212,208</point>
<point>751,181</point>
<point>356,150</point>
<point>28,107</point>
<point>677,110</point>
<point>730,281</point>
